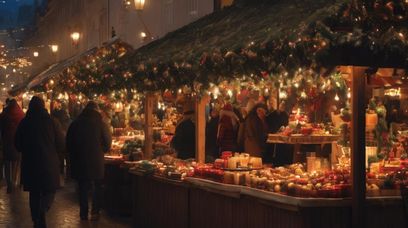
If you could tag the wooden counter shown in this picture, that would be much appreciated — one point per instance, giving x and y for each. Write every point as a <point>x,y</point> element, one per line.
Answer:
<point>159,202</point>
<point>199,203</point>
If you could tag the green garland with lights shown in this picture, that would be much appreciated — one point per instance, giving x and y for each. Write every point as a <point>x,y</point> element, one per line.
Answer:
<point>334,32</point>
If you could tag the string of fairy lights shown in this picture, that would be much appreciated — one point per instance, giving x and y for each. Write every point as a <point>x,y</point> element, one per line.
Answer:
<point>301,66</point>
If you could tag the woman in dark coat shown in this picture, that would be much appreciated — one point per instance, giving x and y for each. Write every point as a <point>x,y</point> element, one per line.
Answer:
<point>38,142</point>
<point>88,139</point>
<point>9,120</point>
<point>256,131</point>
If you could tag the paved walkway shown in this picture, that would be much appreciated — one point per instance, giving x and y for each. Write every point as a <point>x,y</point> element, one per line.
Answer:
<point>64,213</point>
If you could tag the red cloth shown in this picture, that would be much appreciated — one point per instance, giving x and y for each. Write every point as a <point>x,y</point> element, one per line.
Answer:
<point>226,134</point>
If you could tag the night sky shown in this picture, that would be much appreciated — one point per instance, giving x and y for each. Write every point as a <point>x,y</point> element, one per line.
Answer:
<point>16,13</point>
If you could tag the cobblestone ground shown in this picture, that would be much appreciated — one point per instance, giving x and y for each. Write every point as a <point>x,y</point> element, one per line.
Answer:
<point>64,213</point>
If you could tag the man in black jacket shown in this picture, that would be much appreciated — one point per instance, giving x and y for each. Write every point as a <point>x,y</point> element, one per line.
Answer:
<point>38,141</point>
<point>88,138</point>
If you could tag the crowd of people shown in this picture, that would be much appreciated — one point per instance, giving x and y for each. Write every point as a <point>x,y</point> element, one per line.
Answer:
<point>230,129</point>
<point>40,144</point>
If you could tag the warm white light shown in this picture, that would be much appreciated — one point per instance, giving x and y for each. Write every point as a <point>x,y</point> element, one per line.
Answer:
<point>337,98</point>
<point>75,36</point>
<point>393,92</point>
<point>14,70</point>
<point>296,85</point>
<point>303,95</point>
<point>283,95</point>
<point>216,92</point>
<point>143,35</point>
<point>36,54</point>
<point>51,82</point>
<point>229,92</point>
<point>139,4</point>
<point>54,48</point>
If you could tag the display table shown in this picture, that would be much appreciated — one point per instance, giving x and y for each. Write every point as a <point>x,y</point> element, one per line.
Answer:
<point>298,140</point>
<point>195,202</point>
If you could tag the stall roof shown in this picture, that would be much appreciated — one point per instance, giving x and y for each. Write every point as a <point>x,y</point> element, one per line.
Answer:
<point>339,34</point>
<point>58,67</point>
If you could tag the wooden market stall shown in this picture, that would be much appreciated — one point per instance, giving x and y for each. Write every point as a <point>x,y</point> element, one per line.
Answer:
<point>273,39</point>
<point>280,45</point>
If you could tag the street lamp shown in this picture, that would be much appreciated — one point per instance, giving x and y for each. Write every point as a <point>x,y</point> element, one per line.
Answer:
<point>54,48</point>
<point>75,38</point>
<point>139,4</point>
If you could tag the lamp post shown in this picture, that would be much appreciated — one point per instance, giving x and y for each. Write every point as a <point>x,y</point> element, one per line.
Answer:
<point>75,38</point>
<point>139,7</point>
<point>54,50</point>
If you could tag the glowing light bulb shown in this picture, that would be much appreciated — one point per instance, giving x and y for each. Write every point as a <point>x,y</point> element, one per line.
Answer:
<point>229,92</point>
<point>303,94</point>
<point>337,98</point>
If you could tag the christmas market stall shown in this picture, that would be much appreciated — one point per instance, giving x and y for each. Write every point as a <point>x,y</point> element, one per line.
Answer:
<point>331,153</point>
<point>318,57</point>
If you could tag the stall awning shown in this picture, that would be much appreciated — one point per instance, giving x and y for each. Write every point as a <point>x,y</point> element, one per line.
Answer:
<point>57,68</point>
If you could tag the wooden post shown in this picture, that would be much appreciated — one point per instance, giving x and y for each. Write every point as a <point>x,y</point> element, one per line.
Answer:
<point>148,111</point>
<point>200,128</point>
<point>358,171</point>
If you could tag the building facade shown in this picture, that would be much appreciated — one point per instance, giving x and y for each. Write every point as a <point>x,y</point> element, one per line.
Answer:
<point>97,20</point>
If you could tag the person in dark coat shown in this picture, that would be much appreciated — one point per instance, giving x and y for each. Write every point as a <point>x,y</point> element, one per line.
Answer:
<point>38,142</point>
<point>88,139</point>
<point>9,120</point>
<point>282,154</point>
<point>184,138</point>
<point>256,131</point>
<point>278,118</point>
<point>227,129</point>
<point>211,128</point>
<point>61,119</point>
